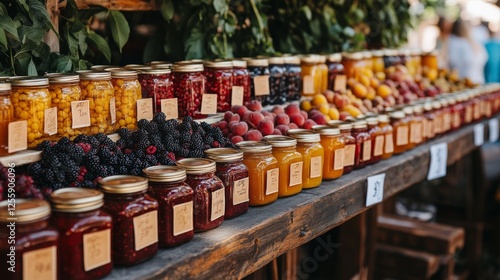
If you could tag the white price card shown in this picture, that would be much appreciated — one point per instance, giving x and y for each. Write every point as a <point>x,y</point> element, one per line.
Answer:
<point>479,134</point>
<point>493,129</point>
<point>439,158</point>
<point>375,191</point>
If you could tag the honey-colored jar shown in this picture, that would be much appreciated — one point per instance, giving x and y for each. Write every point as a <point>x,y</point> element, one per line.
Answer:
<point>437,125</point>
<point>352,63</point>
<point>401,131</point>
<point>64,89</point>
<point>349,146</point>
<point>378,61</point>
<point>97,89</point>
<point>428,121</point>
<point>417,128</point>
<point>308,144</point>
<point>333,145</point>
<point>311,76</point>
<point>6,116</point>
<point>128,92</point>
<point>446,114</point>
<point>387,131</point>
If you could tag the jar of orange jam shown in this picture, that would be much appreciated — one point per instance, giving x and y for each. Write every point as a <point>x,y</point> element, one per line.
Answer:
<point>323,74</point>
<point>352,62</point>
<point>401,131</point>
<point>456,110</point>
<point>263,172</point>
<point>333,144</point>
<point>428,122</point>
<point>367,60</point>
<point>6,116</point>
<point>446,113</point>
<point>430,60</point>
<point>387,131</point>
<point>438,118</point>
<point>308,144</point>
<point>290,164</point>
<point>378,61</point>
<point>377,139</point>
<point>349,146</point>
<point>311,76</point>
<point>417,130</point>
<point>412,125</point>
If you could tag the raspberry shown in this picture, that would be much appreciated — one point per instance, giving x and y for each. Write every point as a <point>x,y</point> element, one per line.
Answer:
<point>151,150</point>
<point>85,146</point>
<point>171,156</point>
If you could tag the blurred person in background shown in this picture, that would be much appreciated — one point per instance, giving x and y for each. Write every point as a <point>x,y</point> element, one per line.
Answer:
<point>492,67</point>
<point>464,54</point>
<point>444,26</point>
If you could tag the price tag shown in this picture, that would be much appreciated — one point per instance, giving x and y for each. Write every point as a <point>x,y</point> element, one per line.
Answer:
<point>375,191</point>
<point>478,134</point>
<point>50,121</point>
<point>80,114</point>
<point>261,85</point>
<point>493,128</point>
<point>112,109</point>
<point>145,109</point>
<point>18,136</point>
<point>340,83</point>
<point>308,84</point>
<point>170,108</point>
<point>439,158</point>
<point>237,95</point>
<point>208,104</point>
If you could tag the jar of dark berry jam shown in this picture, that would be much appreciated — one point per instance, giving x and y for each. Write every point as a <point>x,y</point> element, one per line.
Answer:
<point>377,137</point>
<point>277,81</point>
<point>219,77</point>
<point>293,78</point>
<point>34,253</point>
<point>209,193</point>
<point>241,92</point>
<point>363,144</point>
<point>336,75</point>
<point>84,228</point>
<point>167,184</point>
<point>135,218</point>
<point>259,71</point>
<point>156,83</point>
<point>234,174</point>
<point>189,89</point>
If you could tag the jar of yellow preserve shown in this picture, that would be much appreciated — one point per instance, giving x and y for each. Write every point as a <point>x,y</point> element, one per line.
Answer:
<point>311,75</point>
<point>333,145</point>
<point>308,144</point>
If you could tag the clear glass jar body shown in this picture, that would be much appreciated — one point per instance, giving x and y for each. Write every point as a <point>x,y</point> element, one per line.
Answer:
<point>220,82</point>
<point>100,94</point>
<point>277,84</point>
<point>437,124</point>
<point>256,71</point>
<point>241,78</point>
<point>349,150</point>
<point>334,69</point>
<point>127,92</point>
<point>62,94</point>
<point>234,175</point>
<point>293,81</point>
<point>476,109</point>
<point>189,88</point>
<point>377,139</point>
<point>74,229</point>
<point>351,66</point>
<point>290,179</point>
<point>412,126</point>
<point>400,135</point>
<point>387,131</point>
<point>468,112</point>
<point>156,87</point>
<point>131,223</point>
<point>430,61</point>
<point>323,77</point>
<point>363,147</point>
<point>313,157</point>
<point>263,174</point>
<point>6,116</point>
<point>333,146</point>
<point>311,79</point>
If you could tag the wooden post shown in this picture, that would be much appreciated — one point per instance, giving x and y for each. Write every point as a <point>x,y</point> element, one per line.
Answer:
<point>51,38</point>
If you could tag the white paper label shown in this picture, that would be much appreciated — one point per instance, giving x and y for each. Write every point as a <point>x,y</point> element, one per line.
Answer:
<point>218,204</point>
<point>96,249</point>
<point>145,230</point>
<point>240,191</point>
<point>308,84</point>
<point>296,173</point>
<point>40,264</point>
<point>439,158</point>
<point>237,95</point>
<point>183,218</point>
<point>375,191</point>
<point>478,134</point>
<point>338,159</point>
<point>170,108</point>
<point>272,181</point>
<point>493,129</point>
<point>315,168</point>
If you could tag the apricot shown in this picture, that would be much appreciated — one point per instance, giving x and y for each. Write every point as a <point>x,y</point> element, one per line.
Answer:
<point>359,90</point>
<point>324,108</point>
<point>384,90</point>
<point>353,111</point>
<point>306,105</point>
<point>319,99</point>
<point>333,113</point>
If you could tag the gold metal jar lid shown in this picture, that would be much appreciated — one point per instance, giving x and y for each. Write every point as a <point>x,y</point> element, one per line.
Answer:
<point>224,154</point>
<point>5,87</point>
<point>294,60</point>
<point>452,100</point>
<point>417,109</point>
<point>367,54</point>
<point>218,64</point>
<point>408,110</point>
<point>397,115</point>
<point>276,60</point>
<point>165,173</point>
<point>279,141</point>
<point>377,53</point>
<point>74,200</point>
<point>359,125</point>
<point>134,66</point>
<point>190,67</point>
<point>390,52</point>
<point>95,75</point>
<point>162,66</point>
<point>156,62</point>
<point>319,127</point>
<point>335,57</point>
<point>29,82</point>
<point>101,67</point>
<point>428,106</point>
<point>239,63</point>
<point>345,126</point>
<point>329,131</point>
<point>383,118</point>
<point>58,78</point>
<point>254,147</point>
<point>334,123</point>
<point>308,136</point>
<point>123,73</point>
<point>310,59</point>
<point>297,130</point>
<point>154,71</point>
<point>444,102</point>
<point>352,55</point>
<point>436,105</point>
<point>372,121</point>
<point>258,62</point>
<point>123,184</point>
<point>26,210</point>
<point>197,165</point>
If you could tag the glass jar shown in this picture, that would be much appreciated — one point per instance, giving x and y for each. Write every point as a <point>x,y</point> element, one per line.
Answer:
<point>323,74</point>
<point>64,90</point>
<point>234,174</point>
<point>156,83</point>
<point>428,123</point>
<point>209,193</point>
<point>391,58</point>
<point>387,131</point>
<point>30,98</point>
<point>336,73</point>
<point>352,63</point>
<point>6,116</point>
<point>458,112</point>
<point>260,86</point>
<point>333,145</point>
<point>417,127</point>
<point>378,61</point>
<point>454,114</point>
<point>263,172</point>
<point>219,78</point>
<point>476,106</point>
<point>33,254</point>
<point>127,95</point>
<point>412,127</point>
<point>400,131</point>
<point>446,113</point>
<point>241,78</point>
<point>98,90</point>
<point>135,218</point>
<point>437,125</point>
<point>363,144</point>
<point>84,228</point>
<point>189,89</point>
<point>311,79</point>
<point>308,145</point>
<point>290,164</point>
<point>469,110</point>
<point>293,78</point>
<point>430,60</point>
<point>377,139</point>
<point>167,184</point>
<point>102,67</point>
<point>277,81</point>
<point>349,148</point>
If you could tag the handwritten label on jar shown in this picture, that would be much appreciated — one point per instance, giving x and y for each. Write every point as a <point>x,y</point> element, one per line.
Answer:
<point>96,249</point>
<point>112,109</point>
<point>308,84</point>
<point>208,104</point>
<point>388,144</point>
<point>338,159</point>
<point>349,154</point>
<point>272,181</point>
<point>18,136</point>
<point>50,121</point>
<point>145,109</point>
<point>40,264</point>
<point>261,85</point>
<point>367,150</point>
<point>402,135</point>
<point>340,83</point>
<point>237,95</point>
<point>80,114</point>
<point>145,230</point>
<point>378,149</point>
<point>375,189</point>
<point>183,218</point>
<point>439,158</point>
<point>218,204</point>
<point>170,108</point>
<point>296,173</point>
<point>477,111</point>
<point>315,168</point>
<point>240,191</point>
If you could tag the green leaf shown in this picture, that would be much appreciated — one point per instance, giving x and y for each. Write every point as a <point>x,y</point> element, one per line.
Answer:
<point>3,38</point>
<point>119,28</point>
<point>154,44</point>
<point>23,4</point>
<point>38,13</point>
<point>32,69</point>
<point>21,62</point>
<point>82,64</point>
<point>82,41</point>
<point>32,33</point>
<point>63,64</point>
<point>167,9</point>
<point>307,12</point>
<point>194,45</point>
<point>7,23</point>
<point>220,6</point>
<point>101,44</point>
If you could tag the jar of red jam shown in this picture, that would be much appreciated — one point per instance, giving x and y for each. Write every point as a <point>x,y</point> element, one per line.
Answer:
<point>476,106</point>
<point>412,126</point>
<point>84,228</point>
<point>400,131</point>
<point>438,118</point>
<point>259,71</point>
<point>209,193</point>
<point>293,78</point>
<point>446,113</point>
<point>336,74</point>
<point>241,91</point>
<point>135,218</point>
<point>219,78</point>
<point>28,245</point>
<point>363,150</point>
<point>234,174</point>
<point>156,83</point>
<point>454,113</point>
<point>349,148</point>
<point>428,121</point>
<point>189,89</point>
<point>167,184</point>
<point>377,139</point>
<point>387,131</point>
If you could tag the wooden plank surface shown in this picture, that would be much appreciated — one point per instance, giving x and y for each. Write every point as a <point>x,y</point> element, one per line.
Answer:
<point>247,243</point>
<point>122,5</point>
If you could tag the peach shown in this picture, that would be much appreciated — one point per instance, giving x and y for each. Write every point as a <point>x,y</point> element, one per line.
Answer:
<point>330,95</point>
<point>231,124</point>
<point>297,119</point>
<point>319,119</point>
<point>221,124</point>
<point>292,109</point>
<point>236,139</point>
<point>240,128</point>
<point>314,113</point>
<point>308,124</point>
<point>225,132</point>
<point>282,119</point>
<point>344,115</point>
<point>254,105</point>
<point>229,117</point>
<point>278,110</point>
<point>266,127</point>
<point>304,114</point>
<point>254,118</point>
<point>283,128</point>
<point>292,126</point>
<point>253,135</point>
<point>240,110</point>
<point>276,132</point>
<point>268,115</point>
<point>339,101</point>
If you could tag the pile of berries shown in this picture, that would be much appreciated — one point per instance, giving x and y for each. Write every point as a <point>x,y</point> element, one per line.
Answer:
<point>24,186</point>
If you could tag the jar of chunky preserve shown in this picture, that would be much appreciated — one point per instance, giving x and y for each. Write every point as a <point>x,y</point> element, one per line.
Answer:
<point>277,81</point>
<point>6,116</point>
<point>167,184</point>
<point>263,172</point>
<point>127,95</point>
<point>84,228</point>
<point>241,91</point>
<point>30,98</point>
<point>135,218</point>
<point>293,78</point>
<point>234,174</point>
<point>308,144</point>
<point>323,73</point>
<point>311,76</point>
<point>363,144</point>
<point>219,78</point>
<point>412,126</point>
<point>189,89</point>
<point>290,164</point>
<point>260,84</point>
<point>349,148</point>
<point>400,131</point>
<point>352,63</point>
<point>209,193</point>
<point>33,255</point>
<point>429,121</point>
<point>333,145</point>
<point>156,83</point>
<point>377,139</point>
<point>378,61</point>
<point>387,131</point>
<point>336,74</point>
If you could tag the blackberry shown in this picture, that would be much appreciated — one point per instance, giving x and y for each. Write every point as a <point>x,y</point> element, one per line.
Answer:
<point>208,140</point>
<point>185,138</point>
<point>35,169</point>
<point>123,160</point>
<point>124,133</point>
<point>93,142</point>
<point>62,144</point>
<point>100,137</point>
<point>81,139</point>
<point>196,154</point>
<point>185,125</point>
<point>140,154</point>
<point>93,163</point>
<point>142,124</point>
<point>183,152</point>
<point>152,128</point>
<point>45,145</point>
<point>196,141</point>
<point>143,144</point>
<point>151,160</point>
<point>107,156</point>
<point>121,143</point>
<point>159,117</point>
<point>121,170</point>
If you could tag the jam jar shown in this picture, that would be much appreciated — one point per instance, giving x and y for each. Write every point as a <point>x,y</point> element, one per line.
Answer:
<point>400,131</point>
<point>290,164</point>
<point>378,61</point>
<point>391,58</point>
<point>293,78</point>
<point>428,122</point>
<point>189,89</point>
<point>241,91</point>
<point>349,148</point>
<point>167,184</point>
<point>97,89</point>
<point>127,95</point>
<point>417,128</point>
<point>101,67</point>
<point>30,98</point>
<point>209,193</point>
<point>363,144</point>
<point>387,131</point>
<point>457,110</point>
<point>311,79</point>
<point>352,63</point>
<point>323,73</point>
<point>260,86</point>
<point>446,115</point>
<point>6,116</point>
<point>64,90</point>
<point>437,125</point>
<point>333,145</point>
<point>234,174</point>
<point>33,255</point>
<point>336,74</point>
<point>263,172</point>
<point>84,228</point>
<point>412,127</point>
<point>277,81</point>
<point>219,80</point>
<point>156,83</point>
<point>377,138</point>
<point>135,218</point>
<point>308,144</point>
